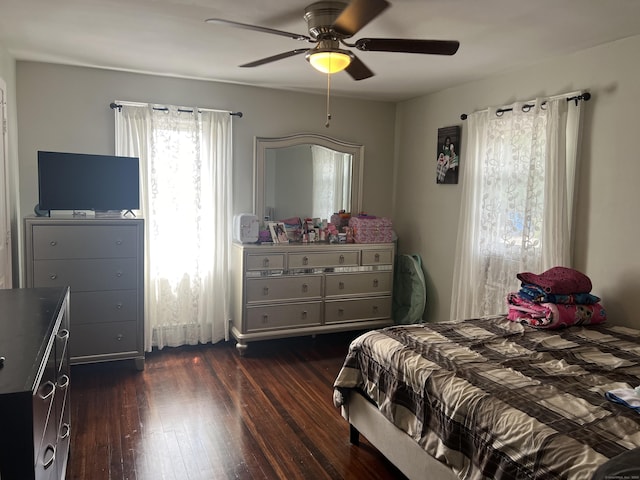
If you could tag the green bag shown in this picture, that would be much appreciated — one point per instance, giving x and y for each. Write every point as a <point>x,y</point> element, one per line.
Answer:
<point>409,290</point>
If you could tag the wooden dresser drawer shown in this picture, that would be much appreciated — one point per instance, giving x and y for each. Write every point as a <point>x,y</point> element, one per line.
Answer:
<point>265,262</point>
<point>336,311</point>
<point>73,241</point>
<point>292,315</point>
<point>283,288</point>
<point>323,259</point>
<point>358,284</point>
<point>87,275</point>
<point>105,306</point>
<point>377,257</point>
<point>104,338</point>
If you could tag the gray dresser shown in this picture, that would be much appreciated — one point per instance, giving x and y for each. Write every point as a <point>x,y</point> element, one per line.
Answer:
<point>102,261</point>
<point>306,289</point>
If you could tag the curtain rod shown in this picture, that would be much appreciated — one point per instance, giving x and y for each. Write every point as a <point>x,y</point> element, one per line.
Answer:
<point>527,106</point>
<point>114,105</point>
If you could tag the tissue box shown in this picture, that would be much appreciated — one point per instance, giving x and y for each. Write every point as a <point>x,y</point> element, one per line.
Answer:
<point>371,229</point>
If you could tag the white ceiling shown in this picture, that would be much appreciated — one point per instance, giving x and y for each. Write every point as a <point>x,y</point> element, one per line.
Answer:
<point>170,37</point>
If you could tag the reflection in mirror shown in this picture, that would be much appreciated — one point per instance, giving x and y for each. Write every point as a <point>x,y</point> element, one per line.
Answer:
<point>306,176</point>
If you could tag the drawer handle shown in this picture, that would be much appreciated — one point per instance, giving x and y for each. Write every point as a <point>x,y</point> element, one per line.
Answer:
<point>375,309</point>
<point>118,242</point>
<point>265,318</point>
<point>119,274</point>
<point>304,315</point>
<point>63,334</point>
<point>341,285</point>
<point>66,430</point>
<point>53,276</point>
<point>47,462</point>
<point>265,262</point>
<point>375,283</point>
<point>265,291</point>
<point>305,260</point>
<point>49,384</point>
<point>376,257</point>
<point>341,259</point>
<point>53,243</point>
<point>305,288</point>
<point>63,381</point>
<point>119,337</point>
<point>119,306</point>
<point>340,312</point>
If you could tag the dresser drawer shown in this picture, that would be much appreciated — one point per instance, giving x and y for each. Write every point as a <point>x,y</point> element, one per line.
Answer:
<point>358,284</point>
<point>323,259</point>
<point>337,311</point>
<point>292,315</point>
<point>87,275</point>
<point>106,306</point>
<point>377,257</point>
<point>86,241</point>
<point>265,262</point>
<point>104,338</point>
<point>283,288</point>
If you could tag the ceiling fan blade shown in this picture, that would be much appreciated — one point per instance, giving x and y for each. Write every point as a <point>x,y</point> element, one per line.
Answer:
<point>256,28</point>
<point>358,70</point>
<point>357,14</point>
<point>432,47</point>
<point>274,58</point>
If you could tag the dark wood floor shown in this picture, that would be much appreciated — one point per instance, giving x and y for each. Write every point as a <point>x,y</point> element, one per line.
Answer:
<point>205,413</point>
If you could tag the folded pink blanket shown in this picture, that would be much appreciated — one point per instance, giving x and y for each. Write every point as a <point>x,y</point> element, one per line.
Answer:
<point>553,315</point>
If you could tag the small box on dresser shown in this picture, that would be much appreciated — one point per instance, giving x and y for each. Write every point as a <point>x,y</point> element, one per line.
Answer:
<point>101,259</point>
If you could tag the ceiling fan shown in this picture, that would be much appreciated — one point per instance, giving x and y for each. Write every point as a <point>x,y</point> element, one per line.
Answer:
<point>330,24</point>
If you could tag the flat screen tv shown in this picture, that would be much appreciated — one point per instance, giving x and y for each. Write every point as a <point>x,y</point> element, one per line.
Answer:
<point>78,181</point>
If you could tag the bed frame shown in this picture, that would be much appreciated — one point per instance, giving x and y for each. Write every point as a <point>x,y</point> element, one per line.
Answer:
<point>399,448</point>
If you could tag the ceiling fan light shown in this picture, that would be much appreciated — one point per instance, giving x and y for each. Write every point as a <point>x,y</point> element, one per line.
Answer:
<point>328,61</point>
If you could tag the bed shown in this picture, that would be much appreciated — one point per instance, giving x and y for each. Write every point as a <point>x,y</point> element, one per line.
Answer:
<point>492,398</point>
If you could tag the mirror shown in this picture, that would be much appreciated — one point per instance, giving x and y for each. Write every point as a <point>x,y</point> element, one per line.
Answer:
<point>306,175</point>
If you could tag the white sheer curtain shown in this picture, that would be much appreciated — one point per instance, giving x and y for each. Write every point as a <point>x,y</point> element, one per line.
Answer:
<point>331,181</point>
<point>185,162</point>
<point>517,201</point>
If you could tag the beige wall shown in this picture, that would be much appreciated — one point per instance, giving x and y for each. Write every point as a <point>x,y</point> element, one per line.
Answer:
<point>64,108</point>
<point>608,222</point>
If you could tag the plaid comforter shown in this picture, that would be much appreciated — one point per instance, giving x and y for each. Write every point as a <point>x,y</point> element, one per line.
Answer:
<point>494,399</point>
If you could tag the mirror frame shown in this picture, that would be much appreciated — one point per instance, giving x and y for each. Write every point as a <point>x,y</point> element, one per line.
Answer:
<point>263,143</point>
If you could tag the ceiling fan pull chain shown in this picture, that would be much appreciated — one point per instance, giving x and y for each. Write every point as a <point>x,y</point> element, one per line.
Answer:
<point>328,94</point>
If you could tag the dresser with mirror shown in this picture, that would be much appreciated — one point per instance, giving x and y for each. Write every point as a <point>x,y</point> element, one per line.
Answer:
<point>294,289</point>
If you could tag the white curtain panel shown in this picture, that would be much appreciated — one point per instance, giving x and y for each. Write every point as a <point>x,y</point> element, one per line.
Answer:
<point>517,198</point>
<point>185,162</point>
<point>331,193</point>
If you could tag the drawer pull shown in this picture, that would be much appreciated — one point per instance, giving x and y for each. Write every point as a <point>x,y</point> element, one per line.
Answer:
<point>63,334</point>
<point>341,285</point>
<point>375,283</point>
<point>119,306</point>
<point>52,389</point>
<point>304,315</point>
<point>53,243</point>
<point>376,257</point>
<point>119,274</point>
<point>375,309</point>
<point>265,262</point>
<point>118,242</point>
<point>53,276</point>
<point>265,291</point>
<point>305,288</point>
<point>305,260</point>
<point>119,337</point>
<point>50,450</point>
<point>265,318</point>
<point>63,381</point>
<point>66,430</point>
<point>341,259</point>
<point>340,312</point>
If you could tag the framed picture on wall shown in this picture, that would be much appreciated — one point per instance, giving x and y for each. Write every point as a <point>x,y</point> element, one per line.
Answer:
<point>448,155</point>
